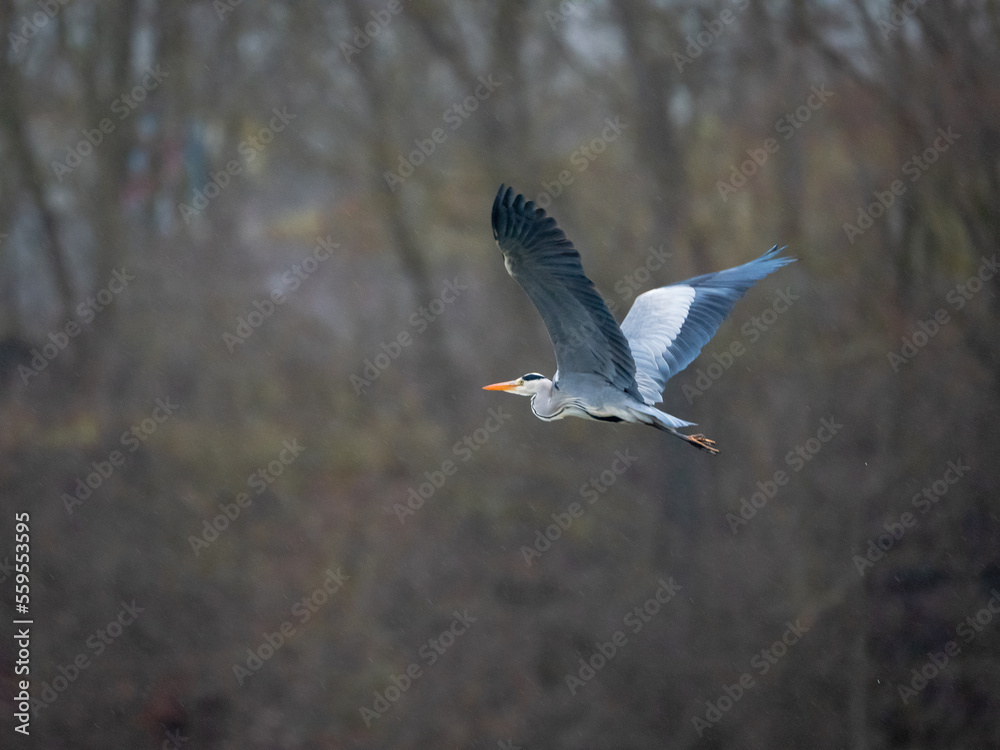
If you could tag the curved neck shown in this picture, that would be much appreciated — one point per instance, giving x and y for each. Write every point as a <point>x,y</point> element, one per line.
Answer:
<point>548,402</point>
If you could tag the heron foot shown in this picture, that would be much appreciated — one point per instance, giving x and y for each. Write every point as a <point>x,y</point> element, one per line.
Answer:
<point>703,443</point>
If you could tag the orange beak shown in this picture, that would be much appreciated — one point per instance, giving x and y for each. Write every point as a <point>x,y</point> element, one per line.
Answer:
<point>509,385</point>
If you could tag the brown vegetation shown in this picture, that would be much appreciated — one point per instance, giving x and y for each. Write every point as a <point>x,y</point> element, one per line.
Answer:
<point>254,239</point>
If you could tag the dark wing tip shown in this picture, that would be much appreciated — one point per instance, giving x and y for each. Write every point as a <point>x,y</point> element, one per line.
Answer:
<point>502,200</point>
<point>544,262</point>
<point>514,215</point>
<point>775,251</point>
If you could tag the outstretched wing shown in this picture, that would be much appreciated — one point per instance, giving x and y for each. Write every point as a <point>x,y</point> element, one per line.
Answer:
<point>547,266</point>
<point>667,327</point>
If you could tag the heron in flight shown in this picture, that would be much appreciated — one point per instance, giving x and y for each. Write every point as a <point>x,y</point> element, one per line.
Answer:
<point>604,372</point>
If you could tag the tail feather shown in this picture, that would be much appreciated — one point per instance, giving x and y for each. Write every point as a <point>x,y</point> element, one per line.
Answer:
<point>660,419</point>
<point>669,423</point>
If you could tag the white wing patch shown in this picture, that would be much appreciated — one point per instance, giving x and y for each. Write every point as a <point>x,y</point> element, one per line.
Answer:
<point>668,327</point>
<point>651,327</point>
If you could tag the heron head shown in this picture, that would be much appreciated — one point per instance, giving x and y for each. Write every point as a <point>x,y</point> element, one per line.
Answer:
<point>526,385</point>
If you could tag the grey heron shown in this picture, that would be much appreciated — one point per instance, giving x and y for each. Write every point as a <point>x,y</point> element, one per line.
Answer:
<point>603,371</point>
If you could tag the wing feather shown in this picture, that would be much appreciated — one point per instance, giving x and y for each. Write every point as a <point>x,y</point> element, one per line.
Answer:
<point>537,254</point>
<point>667,327</point>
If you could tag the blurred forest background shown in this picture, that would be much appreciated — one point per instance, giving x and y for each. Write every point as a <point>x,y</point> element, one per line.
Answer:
<point>250,295</point>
